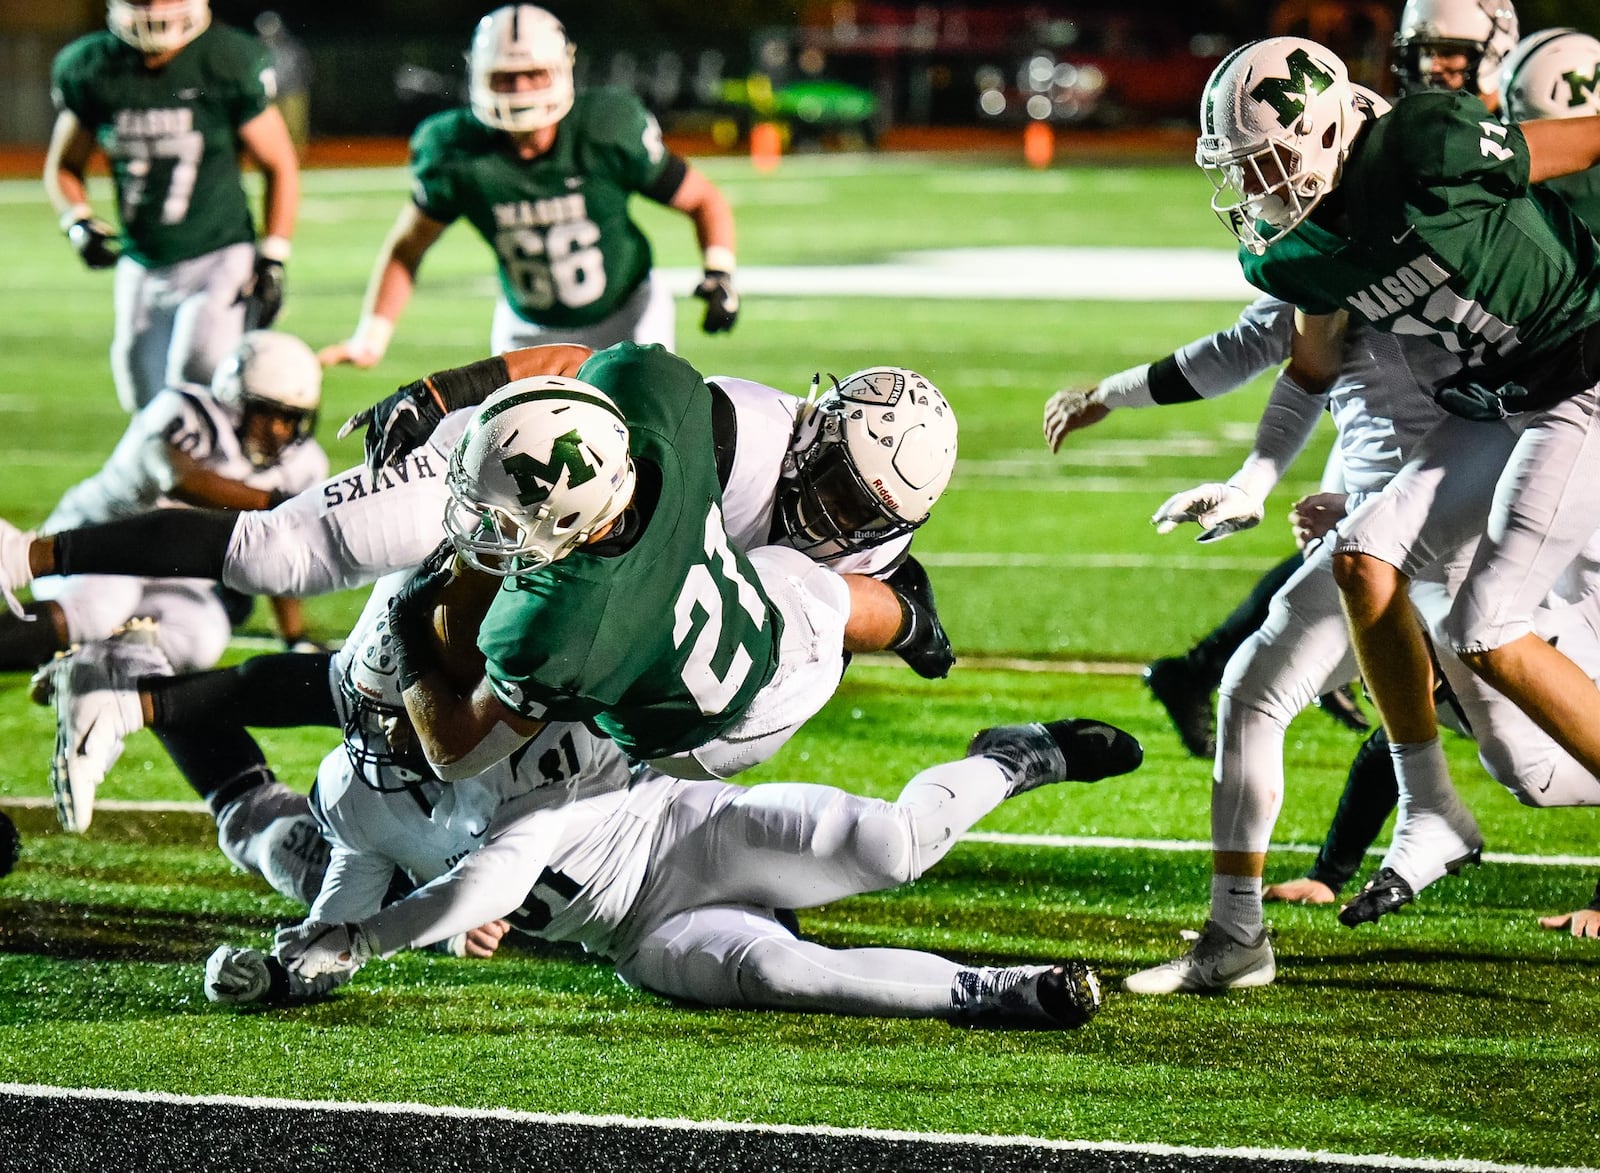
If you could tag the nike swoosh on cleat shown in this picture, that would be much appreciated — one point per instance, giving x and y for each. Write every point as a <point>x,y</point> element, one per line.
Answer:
<point>83,742</point>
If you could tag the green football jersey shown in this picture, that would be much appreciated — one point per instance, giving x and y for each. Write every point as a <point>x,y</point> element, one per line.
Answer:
<point>1582,193</point>
<point>659,647</point>
<point>568,252</point>
<point>172,135</point>
<point>1441,236</point>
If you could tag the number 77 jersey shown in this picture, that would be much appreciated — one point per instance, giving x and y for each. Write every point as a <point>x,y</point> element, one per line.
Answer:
<point>172,135</point>
<point>659,637</point>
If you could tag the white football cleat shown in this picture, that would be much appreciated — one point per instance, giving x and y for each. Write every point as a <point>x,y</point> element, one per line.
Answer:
<point>15,573</point>
<point>96,697</point>
<point>1215,962</point>
<point>1065,995</point>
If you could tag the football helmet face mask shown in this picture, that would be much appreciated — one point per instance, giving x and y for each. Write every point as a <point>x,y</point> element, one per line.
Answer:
<point>1552,74</point>
<point>1483,31</point>
<point>542,467</point>
<point>272,386</point>
<point>1276,122</point>
<point>866,463</point>
<point>158,26</point>
<point>378,738</point>
<point>511,48</point>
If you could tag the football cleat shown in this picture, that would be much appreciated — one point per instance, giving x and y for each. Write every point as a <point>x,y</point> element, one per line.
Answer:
<point>1388,891</point>
<point>1342,706</point>
<point>95,693</point>
<point>1180,690</point>
<point>1215,962</point>
<point>1070,750</point>
<point>1065,995</point>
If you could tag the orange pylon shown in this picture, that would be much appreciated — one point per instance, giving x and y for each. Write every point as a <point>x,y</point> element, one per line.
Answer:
<point>1038,144</point>
<point>766,146</point>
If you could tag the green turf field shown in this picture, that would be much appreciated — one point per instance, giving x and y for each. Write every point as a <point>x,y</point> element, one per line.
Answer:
<point>1457,1030</point>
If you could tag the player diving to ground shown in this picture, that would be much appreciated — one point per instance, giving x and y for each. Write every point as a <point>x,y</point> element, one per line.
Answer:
<point>675,882</point>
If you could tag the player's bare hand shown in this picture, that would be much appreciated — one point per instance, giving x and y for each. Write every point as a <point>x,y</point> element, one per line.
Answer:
<point>348,353</point>
<point>1312,517</point>
<point>1068,410</point>
<point>1301,891</point>
<point>1583,923</point>
<point>484,940</point>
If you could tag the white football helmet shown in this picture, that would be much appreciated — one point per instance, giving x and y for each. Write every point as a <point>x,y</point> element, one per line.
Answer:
<point>543,465</point>
<point>1276,122</point>
<point>1552,74</point>
<point>1484,30</point>
<point>378,737</point>
<point>158,26</point>
<point>274,373</point>
<point>520,38</point>
<point>866,463</point>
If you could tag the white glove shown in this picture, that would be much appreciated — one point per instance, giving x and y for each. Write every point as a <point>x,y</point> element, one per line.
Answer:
<point>236,975</point>
<point>1220,509</point>
<point>316,950</point>
<point>1068,410</point>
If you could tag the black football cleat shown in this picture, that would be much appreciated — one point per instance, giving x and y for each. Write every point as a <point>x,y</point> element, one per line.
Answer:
<point>1069,993</point>
<point>1180,690</point>
<point>1077,749</point>
<point>1386,892</point>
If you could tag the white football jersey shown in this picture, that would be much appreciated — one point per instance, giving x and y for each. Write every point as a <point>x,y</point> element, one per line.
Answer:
<point>350,530</point>
<point>1381,401</point>
<point>139,474</point>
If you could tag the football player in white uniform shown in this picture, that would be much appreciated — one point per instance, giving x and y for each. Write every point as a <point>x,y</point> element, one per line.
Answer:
<point>1381,405</point>
<point>678,883</point>
<point>245,443</point>
<point>358,525</point>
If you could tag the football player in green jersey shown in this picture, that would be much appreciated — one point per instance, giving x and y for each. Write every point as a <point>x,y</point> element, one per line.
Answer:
<point>172,100</point>
<point>544,175</point>
<point>625,603</point>
<point>1428,222</point>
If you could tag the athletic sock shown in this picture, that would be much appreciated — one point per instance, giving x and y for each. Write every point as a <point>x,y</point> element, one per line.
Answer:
<point>1236,906</point>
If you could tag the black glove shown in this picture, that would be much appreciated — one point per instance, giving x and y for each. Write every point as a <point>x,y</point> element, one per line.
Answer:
<point>96,242</point>
<point>722,301</point>
<point>401,422</point>
<point>922,642</point>
<point>1481,403</point>
<point>264,299</point>
<point>411,616</point>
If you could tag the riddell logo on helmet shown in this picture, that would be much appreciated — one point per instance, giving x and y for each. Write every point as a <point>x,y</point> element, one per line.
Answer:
<point>885,496</point>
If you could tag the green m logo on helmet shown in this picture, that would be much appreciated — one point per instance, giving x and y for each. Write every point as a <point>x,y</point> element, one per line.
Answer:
<point>535,478</point>
<point>1580,89</point>
<point>1288,96</point>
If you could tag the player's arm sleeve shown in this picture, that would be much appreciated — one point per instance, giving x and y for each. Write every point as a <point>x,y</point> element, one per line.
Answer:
<point>354,886</point>
<point>67,90</point>
<point>433,183</point>
<point>487,885</point>
<point>1224,361</point>
<point>1461,156</point>
<point>1286,425</point>
<point>254,82</point>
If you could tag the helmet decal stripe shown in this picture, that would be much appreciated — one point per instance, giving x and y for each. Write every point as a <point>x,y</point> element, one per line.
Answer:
<point>522,397</point>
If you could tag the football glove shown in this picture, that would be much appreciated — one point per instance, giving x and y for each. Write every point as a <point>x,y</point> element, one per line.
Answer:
<point>263,297</point>
<point>96,242</point>
<point>411,608</point>
<point>1068,410</point>
<point>397,424</point>
<point>722,301</point>
<point>236,975</point>
<point>1219,509</point>
<point>923,643</point>
<point>313,952</point>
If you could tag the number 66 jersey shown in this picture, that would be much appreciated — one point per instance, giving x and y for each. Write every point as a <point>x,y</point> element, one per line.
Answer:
<point>569,255</point>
